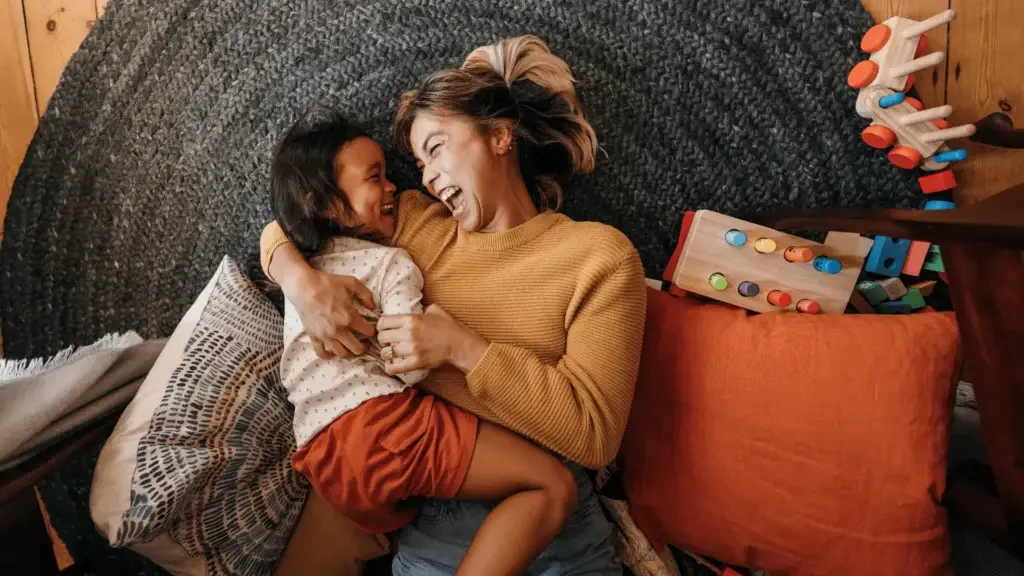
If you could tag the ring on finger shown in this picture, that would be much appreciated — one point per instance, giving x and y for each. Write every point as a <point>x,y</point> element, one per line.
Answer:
<point>387,353</point>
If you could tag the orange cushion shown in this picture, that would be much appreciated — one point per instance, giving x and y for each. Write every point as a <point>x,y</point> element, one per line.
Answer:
<point>795,444</point>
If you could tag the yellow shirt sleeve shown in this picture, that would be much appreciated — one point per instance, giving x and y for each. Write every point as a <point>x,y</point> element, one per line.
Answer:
<point>271,238</point>
<point>578,407</point>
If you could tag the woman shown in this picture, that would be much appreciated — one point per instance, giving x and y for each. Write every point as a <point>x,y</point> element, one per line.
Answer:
<point>541,318</point>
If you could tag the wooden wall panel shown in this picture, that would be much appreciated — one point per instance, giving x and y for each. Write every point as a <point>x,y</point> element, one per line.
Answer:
<point>55,30</point>
<point>18,117</point>
<point>986,76</point>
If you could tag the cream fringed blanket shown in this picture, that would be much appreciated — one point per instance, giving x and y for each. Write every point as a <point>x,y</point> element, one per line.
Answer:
<point>43,400</point>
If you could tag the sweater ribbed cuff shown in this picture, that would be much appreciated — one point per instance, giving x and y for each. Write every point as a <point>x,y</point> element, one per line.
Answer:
<point>271,239</point>
<point>492,368</point>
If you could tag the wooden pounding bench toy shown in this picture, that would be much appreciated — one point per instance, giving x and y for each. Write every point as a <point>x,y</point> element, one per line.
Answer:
<point>765,270</point>
<point>917,135</point>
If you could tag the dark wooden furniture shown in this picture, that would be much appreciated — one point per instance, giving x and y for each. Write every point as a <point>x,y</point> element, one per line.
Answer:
<point>25,546</point>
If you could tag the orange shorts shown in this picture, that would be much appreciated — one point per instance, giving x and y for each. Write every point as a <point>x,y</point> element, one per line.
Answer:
<point>386,451</point>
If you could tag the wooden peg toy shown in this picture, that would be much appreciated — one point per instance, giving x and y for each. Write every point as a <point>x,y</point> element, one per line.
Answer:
<point>897,52</point>
<point>938,182</point>
<point>916,135</point>
<point>769,271</point>
<point>939,205</point>
<point>887,256</point>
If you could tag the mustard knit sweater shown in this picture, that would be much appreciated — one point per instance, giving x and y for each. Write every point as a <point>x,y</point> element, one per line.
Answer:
<point>562,304</point>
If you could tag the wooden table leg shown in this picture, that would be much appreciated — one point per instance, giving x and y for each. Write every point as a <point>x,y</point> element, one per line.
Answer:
<point>987,288</point>
<point>25,546</point>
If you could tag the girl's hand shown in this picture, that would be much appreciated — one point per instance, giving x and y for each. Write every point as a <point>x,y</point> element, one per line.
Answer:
<point>326,305</point>
<point>429,340</point>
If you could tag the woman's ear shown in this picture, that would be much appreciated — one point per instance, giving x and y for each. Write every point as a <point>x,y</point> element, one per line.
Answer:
<point>502,138</point>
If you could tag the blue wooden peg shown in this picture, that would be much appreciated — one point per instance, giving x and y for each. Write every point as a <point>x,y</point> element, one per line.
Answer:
<point>891,99</point>
<point>735,237</point>
<point>939,205</point>
<point>827,265</point>
<point>951,155</point>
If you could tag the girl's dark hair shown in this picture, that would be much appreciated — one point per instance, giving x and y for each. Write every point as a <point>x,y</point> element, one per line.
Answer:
<point>304,193</point>
<point>519,81</point>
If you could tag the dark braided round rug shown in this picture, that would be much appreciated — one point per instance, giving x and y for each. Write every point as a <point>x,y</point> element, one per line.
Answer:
<point>151,161</point>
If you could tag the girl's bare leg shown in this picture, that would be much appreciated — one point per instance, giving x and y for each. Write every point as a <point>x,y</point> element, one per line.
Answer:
<point>539,495</point>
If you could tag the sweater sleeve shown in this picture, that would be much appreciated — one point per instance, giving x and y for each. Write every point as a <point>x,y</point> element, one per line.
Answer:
<point>579,406</point>
<point>402,293</point>
<point>271,238</point>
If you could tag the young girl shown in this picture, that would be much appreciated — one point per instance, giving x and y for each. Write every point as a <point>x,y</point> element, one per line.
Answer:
<point>369,442</point>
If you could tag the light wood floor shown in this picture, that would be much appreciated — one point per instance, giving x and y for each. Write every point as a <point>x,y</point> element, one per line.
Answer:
<point>983,47</point>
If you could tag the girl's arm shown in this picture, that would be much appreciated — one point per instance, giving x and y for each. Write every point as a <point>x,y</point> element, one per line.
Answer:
<point>325,302</point>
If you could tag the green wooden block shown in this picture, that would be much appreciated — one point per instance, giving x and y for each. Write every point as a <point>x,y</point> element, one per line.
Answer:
<point>872,291</point>
<point>934,260</point>
<point>914,298</point>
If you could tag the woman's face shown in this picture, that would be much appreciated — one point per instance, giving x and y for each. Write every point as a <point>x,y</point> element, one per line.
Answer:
<point>460,165</point>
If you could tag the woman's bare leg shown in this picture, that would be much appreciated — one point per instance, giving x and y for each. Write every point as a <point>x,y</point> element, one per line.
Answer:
<point>539,495</point>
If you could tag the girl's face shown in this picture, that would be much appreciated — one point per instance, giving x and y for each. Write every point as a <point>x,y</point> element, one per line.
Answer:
<point>460,164</point>
<point>359,169</point>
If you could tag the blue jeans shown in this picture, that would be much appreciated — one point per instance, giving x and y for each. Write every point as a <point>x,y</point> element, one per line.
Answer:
<point>434,544</point>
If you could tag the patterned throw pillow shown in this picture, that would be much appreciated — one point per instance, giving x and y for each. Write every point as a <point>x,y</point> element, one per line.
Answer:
<point>201,458</point>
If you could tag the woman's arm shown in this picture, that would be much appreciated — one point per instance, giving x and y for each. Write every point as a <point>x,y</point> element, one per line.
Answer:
<point>580,406</point>
<point>325,302</point>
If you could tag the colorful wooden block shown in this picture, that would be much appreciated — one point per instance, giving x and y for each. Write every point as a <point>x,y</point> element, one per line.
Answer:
<point>849,243</point>
<point>894,288</point>
<point>916,256</point>
<point>938,182</point>
<point>771,271</point>
<point>872,291</point>
<point>894,307</point>
<point>925,288</point>
<point>914,298</point>
<point>860,304</point>
<point>934,260</point>
<point>887,256</point>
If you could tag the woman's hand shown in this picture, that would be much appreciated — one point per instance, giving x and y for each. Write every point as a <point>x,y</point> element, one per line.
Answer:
<point>429,340</point>
<point>326,305</point>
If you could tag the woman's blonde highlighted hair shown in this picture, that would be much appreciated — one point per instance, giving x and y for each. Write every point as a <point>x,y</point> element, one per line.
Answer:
<point>518,81</point>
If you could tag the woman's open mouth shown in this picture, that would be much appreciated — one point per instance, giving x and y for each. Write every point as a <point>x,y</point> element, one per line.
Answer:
<point>388,209</point>
<point>448,197</point>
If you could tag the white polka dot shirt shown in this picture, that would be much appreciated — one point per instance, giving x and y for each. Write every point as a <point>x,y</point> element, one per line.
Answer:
<point>323,390</point>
